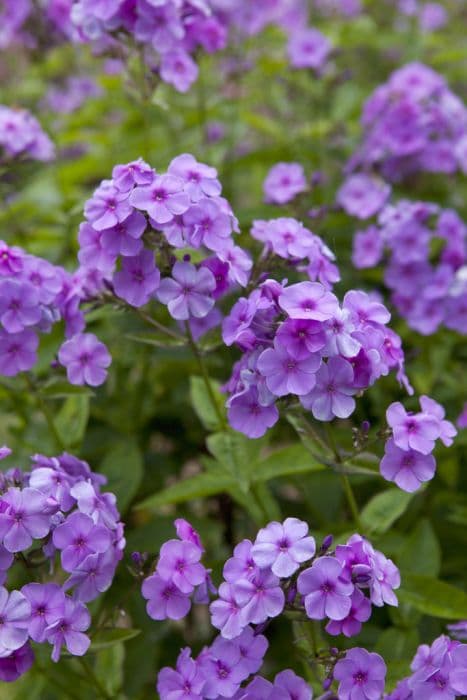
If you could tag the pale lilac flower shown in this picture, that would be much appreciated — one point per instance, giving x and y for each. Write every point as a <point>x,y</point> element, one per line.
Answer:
<point>86,359</point>
<point>361,675</point>
<point>409,469</point>
<point>92,576</point>
<point>249,416</point>
<point>301,338</point>
<point>283,547</point>
<point>363,196</point>
<point>138,172</point>
<point>292,687</point>
<point>239,262</point>
<point>412,431</point>
<point>386,578</point>
<point>308,301</point>
<point>125,238</point>
<point>15,613</point>
<point>368,247</point>
<point>165,600</point>
<point>107,207</point>
<point>47,602</point>
<point>326,593</point>
<point>283,182</point>
<point>200,179</point>
<point>351,625</point>
<point>242,564</point>
<point>163,199</point>
<point>260,598</point>
<point>185,683</point>
<point>308,48</point>
<point>19,305</point>
<point>69,630</point>
<point>332,394</point>
<point>252,648</point>
<point>78,537</point>
<point>24,516</point>
<point>178,69</point>
<point>285,374</point>
<point>206,224</point>
<point>179,563</point>
<point>365,310</point>
<point>18,352</point>
<point>138,279</point>
<point>447,431</point>
<point>225,612</point>
<point>188,292</point>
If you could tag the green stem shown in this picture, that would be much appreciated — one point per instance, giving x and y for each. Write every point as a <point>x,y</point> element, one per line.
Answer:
<point>346,485</point>
<point>205,375</point>
<point>163,329</point>
<point>90,674</point>
<point>45,412</point>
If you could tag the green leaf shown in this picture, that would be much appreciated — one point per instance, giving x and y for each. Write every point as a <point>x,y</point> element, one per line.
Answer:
<point>396,644</point>
<point>57,389</point>
<point>384,509</point>
<point>157,340</point>
<point>421,553</point>
<point>72,420</point>
<point>109,638</point>
<point>433,597</point>
<point>123,467</point>
<point>109,667</point>
<point>202,404</point>
<point>294,459</point>
<point>199,486</point>
<point>237,454</point>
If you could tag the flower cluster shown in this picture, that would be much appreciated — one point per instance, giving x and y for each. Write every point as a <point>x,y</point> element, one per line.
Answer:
<point>21,136</point>
<point>170,31</point>
<point>54,513</point>
<point>439,671</point>
<point>34,295</point>
<point>298,340</point>
<point>19,17</point>
<point>408,460</point>
<point>281,569</point>
<point>428,287</point>
<point>412,123</point>
<point>139,220</point>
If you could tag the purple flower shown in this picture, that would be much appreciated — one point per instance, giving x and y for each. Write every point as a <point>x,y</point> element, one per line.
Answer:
<point>447,431</point>
<point>16,664</point>
<point>247,415</point>
<point>292,686</point>
<point>92,576</point>
<point>252,648</point>
<point>107,207</point>
<point>125,238</point>
<point>19,305</point>
<point>326,593</point>
<point>15,613</point>
<point>225,612</point>
<point>138,279</point>
<point>332,394</point>
<point>242,564</point>
<point>178,69</point>
<point>361,675</point>
<point>24,516</point>
<point>17,352</point>
<point>412,431</point>
<point>179,564</point>
<point>368,247</point>
<point>207,225</point>
<point>283,182</point>
<point>285,374</point>
<point>86,359</point>
<point>407,468</point>
<point>308,48</point>
<point>186,683</point>
<point>135,173</point>
<point>458,675</point>
<point>186,531</point>
<point>283,547</point>
<point>362,196</point>
<point>364,310</point>
<point>308,301</point>
<point>223,669</point>
<point>200,179</point>
<point>163,199</point>
<point>359,612</point>
<point>260,598</point>
<point>78,537</point>
<point>188,292</point>
<point>165,600</point>
<point>47,601</point>
<point>301,338</point>
<point>69,630</point>
<point>385,579</point>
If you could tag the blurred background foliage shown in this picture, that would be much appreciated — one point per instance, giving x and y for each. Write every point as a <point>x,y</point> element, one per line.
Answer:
<point>147,428</point>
